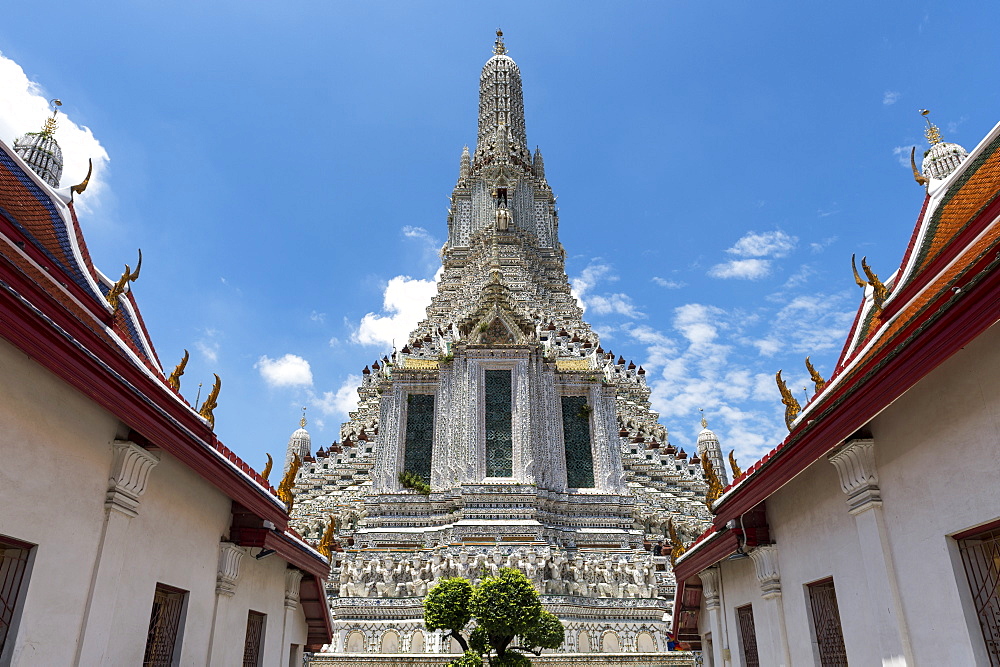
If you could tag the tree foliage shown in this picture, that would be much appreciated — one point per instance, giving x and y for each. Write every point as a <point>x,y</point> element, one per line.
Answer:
<point>509,619</point>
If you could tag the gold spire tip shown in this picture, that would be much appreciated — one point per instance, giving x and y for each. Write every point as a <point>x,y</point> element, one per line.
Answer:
<point>499,48</point>
<point>932,132</point>
<point>302,422</point>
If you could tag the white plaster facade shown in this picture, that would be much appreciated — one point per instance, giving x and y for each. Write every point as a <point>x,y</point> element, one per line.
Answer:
<point>880,512</point>
<point>89,590</point>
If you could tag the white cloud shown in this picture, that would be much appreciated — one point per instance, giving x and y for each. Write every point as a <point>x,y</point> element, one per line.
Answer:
<point>614,303</point>
<point>764,244</point>
<point>318,317</point>
<point>404,305</point>
<point>340,402</point>
<point>24,105</point>
<point>669,284</point>
<point>890,97</point>
<point>902,154</point>
<point>602,304</point>
<point>287,371</point>
<point>208,345</point>
<point>743,269</point>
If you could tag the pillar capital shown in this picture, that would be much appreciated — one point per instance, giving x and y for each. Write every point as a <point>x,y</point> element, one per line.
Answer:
<point>230,557</point>
<point>855,463</point>
<point>765,560</point>
<point>292,579</point>
<point>710,587</point>
<point>129,475</point>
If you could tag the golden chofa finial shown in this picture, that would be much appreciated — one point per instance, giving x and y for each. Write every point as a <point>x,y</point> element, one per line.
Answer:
<point>266,472</point>
<point>328,541</point>
<point>50,123</point>
<point>733,465</point>
<point>879,290</point>
<point>175,378</point>
<point>817,379</point>
<point>285,493</point>
<point>714,483</point>
<point>932,132</point>
<point>792,407</point>
<point>704,422</point>
<point>121,287</point>
<point>677,547</point>
<point>208,407</point>
<point>80,187</point>
<point>302,422</point>
<point>498,47</point>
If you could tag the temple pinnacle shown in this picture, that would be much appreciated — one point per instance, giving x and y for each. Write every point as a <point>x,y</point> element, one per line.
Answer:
<point>498,47</point>
<point>302,422</point>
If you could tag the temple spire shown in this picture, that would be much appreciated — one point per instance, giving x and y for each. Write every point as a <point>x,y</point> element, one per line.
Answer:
<point>41,151</point>
<point>498,47</point>
<point>501,103</point>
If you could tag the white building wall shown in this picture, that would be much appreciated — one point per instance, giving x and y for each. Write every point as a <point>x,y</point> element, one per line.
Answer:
<point>57,458</point>
<point>935,451</point>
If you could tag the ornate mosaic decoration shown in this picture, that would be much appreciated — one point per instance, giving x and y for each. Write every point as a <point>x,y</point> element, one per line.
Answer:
<point>419,434</point>
<point>576,441</point>
<point>499,443</point>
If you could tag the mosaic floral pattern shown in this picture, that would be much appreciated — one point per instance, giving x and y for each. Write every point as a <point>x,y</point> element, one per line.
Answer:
<point>499,445</point>
<point>419,434</point>
<point>576,440</point>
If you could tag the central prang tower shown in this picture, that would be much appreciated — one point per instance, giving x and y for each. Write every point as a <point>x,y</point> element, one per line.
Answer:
<point>539,448</point>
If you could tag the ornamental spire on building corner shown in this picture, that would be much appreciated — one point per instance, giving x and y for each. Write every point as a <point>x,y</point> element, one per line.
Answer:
<point>41,151</point>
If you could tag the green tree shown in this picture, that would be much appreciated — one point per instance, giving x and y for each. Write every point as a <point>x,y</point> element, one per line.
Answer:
<point>505,608</point>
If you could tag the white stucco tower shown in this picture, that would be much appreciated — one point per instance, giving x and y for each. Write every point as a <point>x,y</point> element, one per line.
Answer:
<point>539,447</point>
<point>710,449</point>
<point>299,444</point>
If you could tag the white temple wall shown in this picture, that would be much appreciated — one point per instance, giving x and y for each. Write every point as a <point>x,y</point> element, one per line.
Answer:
<point>57,451</point>
<point>935,456</point>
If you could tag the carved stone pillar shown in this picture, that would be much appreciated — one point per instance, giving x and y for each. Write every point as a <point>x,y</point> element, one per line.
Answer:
<point>129,474</point>
<point>765,560</point>
<point>130,468</point>
<point>710,590</point>
<point>855,464</point>
<point>293,578</point>
<point>230,557</point>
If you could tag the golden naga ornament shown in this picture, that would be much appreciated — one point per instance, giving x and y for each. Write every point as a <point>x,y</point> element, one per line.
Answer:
<point>327,542</point>
<point>732,464</point>
<point>267,467</point>
<point>80,187</point>
<point>879,290</point>
<point>175,378</point>
<point>792,407</point>
<point>714,483</point>
<point>917,176</point>
<point>677,547</point>
<point>208,407</point>
<point>861,282</point>
<point>288,484</point>
<point>122,286</point>
<point>817,379</point>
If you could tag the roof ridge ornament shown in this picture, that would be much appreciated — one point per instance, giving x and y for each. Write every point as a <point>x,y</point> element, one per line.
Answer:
<point>50,125</point>
<point>499,48</point>
<point>932,132</point>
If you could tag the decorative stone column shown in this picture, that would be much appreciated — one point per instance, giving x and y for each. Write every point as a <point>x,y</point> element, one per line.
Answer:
<point>765,560</point>
<point>230,557</point>
<point>226,577</point>
<point>293,578</point>
<point>855,463</point>
<point>130,468</point>
<point>710,581</point>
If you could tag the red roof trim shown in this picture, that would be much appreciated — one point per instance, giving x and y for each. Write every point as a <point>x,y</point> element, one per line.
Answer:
<point>38,325</point>
<point>943,259</point>
<point>962,322</point>
<point>709,552</point>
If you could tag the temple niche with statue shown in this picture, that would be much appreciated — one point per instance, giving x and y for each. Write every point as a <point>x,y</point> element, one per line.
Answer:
<point>502,435</point>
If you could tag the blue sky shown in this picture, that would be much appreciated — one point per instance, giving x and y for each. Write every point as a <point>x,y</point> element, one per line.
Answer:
<point>286,168</point>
